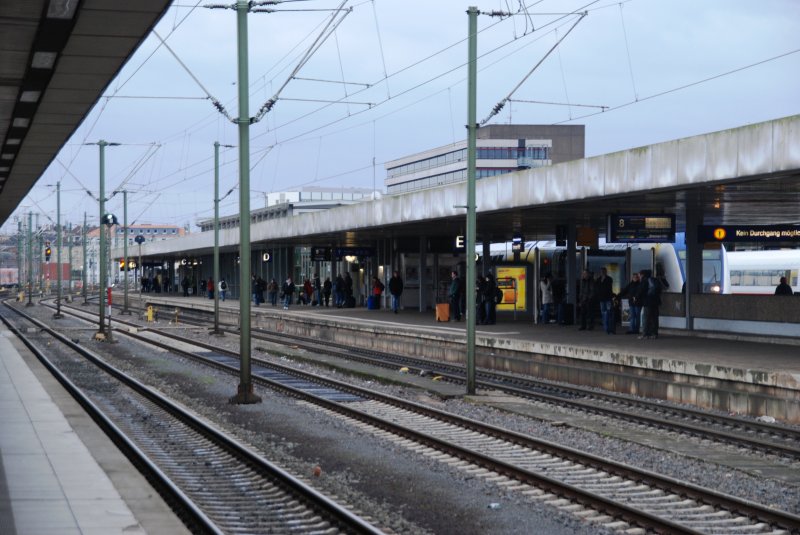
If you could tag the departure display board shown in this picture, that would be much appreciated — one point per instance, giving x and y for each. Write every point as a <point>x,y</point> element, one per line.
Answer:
<point>641,228</point>
<point>748,233</point>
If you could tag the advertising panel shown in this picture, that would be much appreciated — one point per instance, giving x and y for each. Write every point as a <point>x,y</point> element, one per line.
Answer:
<point>512,280</point>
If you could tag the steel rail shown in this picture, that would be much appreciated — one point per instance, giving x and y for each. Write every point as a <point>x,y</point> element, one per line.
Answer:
<point>708,496</point>
<point>338,514</point>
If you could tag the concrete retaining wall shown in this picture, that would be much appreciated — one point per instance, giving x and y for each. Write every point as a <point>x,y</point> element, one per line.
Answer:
<point>739,391</point>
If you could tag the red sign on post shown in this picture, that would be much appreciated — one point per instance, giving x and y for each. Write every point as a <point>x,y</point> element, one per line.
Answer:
<point>108,294</point>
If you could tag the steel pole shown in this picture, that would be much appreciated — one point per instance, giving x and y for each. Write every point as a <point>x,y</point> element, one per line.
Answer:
<point>59,244</point>
<point>472,63</point>
<point>216,238</point>
<point>125,251</point>
<point>30,259</point>
<point>101,331</point>
<point>41,259</point>
<point>84,279</point>
<point>69,262</point>
<point>245,391</point>
<point>20,245</point>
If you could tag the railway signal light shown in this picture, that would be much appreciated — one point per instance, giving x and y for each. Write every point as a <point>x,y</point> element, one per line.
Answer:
<point>110,219</point>
<point>122,265</point>
<point>47,253</point>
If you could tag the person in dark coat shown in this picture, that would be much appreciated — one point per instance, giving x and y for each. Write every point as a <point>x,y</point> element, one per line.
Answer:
<point>327,287</point>
<point>454,294</point>
<point>395,290</point>
<point>586,301</point>
<point>604,292</point>
<point>480,305</point>
<point>490,301</point>
<point>650,293</point>
<point>631,293</point>
<point>783,288</point>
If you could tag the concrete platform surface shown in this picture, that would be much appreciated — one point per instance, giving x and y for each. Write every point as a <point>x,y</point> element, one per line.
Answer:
<point>59,474</point>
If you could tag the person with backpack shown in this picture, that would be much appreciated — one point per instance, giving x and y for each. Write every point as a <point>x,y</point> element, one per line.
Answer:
<point>223,289</point>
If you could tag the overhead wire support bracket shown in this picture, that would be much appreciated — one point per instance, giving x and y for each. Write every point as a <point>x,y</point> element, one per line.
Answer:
<point>499,106</point>
<point>603,108</point>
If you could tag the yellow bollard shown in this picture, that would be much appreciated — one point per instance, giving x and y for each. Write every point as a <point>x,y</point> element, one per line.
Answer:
<point>149,314</point>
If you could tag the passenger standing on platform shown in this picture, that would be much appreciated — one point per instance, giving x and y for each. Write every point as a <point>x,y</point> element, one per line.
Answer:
<point>338,291</point>
<point>223,289</point>
<point>396,290</point>
<point>348,288</point>
<point>605,294</point>
<point>651,301</point>
<point>326,291</point>
<point>631,292</point>
<point>547,298</point>
<point>272,292</point>
<point>287,292</point>
<point>261,286</point>
<point>307,291</point>
<point>783,288</point>
<point>586,300</point>
<point>559,288</point>
<point>317,283</point>
<point>490,301</point>
<point>377,291</point>
<point>254,289</point>
<point>454,293</point>
<point>210,288</point>
<point>480,306</point>
<point>184,285</point>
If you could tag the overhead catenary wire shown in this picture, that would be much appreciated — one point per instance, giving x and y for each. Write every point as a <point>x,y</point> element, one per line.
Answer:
<point>499,106</point>
<point>217,104</point>
<point>628,51</point>
<point>334,21</point>
<point>684,86</point>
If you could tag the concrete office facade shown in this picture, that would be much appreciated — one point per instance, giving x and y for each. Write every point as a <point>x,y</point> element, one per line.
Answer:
<point>500,149</point>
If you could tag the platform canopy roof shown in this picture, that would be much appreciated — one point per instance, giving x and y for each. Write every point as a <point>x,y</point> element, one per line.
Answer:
<point>56,58</point>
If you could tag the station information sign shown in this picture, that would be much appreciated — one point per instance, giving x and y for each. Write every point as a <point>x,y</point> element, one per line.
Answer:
<point>320,254</point>
<point>748,233</point>
<point>361,252</point>
<point>641,228</point>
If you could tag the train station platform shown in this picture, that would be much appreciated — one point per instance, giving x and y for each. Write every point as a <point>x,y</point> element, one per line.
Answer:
<point>59,474</point>
<point>747,377</point>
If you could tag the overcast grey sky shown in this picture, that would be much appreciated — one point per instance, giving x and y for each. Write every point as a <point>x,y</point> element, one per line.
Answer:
<point>666,69</point>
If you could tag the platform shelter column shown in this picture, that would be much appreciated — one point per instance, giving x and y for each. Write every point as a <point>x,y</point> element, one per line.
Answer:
<point>694,261</point>
<point>423,247</point>
<point>571,298</point>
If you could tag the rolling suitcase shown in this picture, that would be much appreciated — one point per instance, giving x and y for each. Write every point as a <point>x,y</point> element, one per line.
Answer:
<point>443,312</point>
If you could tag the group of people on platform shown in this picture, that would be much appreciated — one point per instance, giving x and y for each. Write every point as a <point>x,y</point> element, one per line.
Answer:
<point>487,297</point>
<point>155,284</point>
<point>596,296</point>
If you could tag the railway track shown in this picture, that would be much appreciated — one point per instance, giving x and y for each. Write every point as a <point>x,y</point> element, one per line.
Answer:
<point>767,438</point>
<point>215,484</point>
<point>610,493</point>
